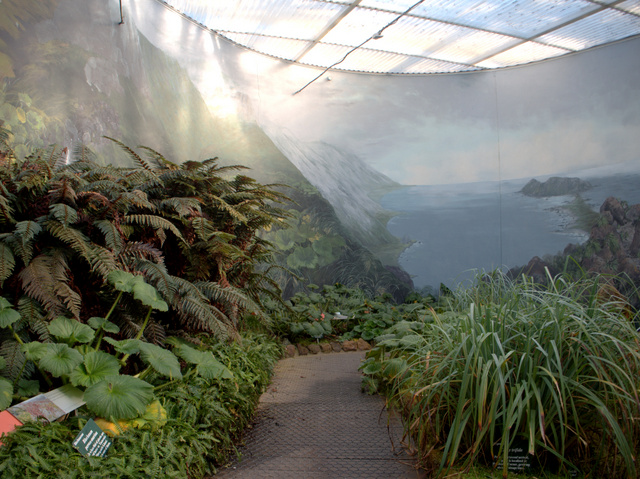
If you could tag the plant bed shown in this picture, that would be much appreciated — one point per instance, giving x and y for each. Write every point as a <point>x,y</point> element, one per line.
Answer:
<point>204,419</point>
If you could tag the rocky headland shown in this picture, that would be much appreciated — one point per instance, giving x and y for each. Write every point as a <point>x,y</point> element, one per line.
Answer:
<point>613,246</point>
<point>555,186</point>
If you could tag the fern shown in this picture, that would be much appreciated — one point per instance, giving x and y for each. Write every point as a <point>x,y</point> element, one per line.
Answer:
<point>155,222</point>
<point>63,213</point>
<point>137,160</point>
<point>113,237</point>
<point>32,314</point>
<point>71,236</point>
<point>39,283</point>
<point>6,211</point>
<point>7,262</point>
<point>82,153</point>
<point>139,250</point>
<point>15,360</point>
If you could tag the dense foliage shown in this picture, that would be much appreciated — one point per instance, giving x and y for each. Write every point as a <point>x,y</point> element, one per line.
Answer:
<point>554,368</point>
<point>204,417</point>
<point>100,264</point>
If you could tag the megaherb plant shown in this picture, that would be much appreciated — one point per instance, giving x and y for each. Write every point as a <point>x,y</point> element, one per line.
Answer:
<point>204,417</point>
<point>555,368</point>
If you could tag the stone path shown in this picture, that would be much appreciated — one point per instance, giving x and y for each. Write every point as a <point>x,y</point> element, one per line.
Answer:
<point>314,422</point>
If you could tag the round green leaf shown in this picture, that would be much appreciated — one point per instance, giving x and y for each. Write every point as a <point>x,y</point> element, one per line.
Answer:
<point>97,323</point>
<point>28,387</point>
<point>60,359</point>
<point>119,397</point>
<point>121,280</point>
<point>6,393</point>
<point>206,365</point>
<point>161,359</point>
<point>34,351</point>
<point>125,346</point>
<point>148,295</point>
<point>372,368</point>
<point>8,315</point>
<point>70,330</point>
<point>96,366</point>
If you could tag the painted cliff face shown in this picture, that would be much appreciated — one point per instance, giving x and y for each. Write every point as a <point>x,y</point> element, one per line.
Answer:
<point>432,165</point>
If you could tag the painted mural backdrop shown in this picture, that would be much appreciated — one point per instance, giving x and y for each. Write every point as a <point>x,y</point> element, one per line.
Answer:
<point>427,175</point>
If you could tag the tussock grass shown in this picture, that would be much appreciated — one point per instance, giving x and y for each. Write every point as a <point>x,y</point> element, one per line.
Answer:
<point>556,367</point>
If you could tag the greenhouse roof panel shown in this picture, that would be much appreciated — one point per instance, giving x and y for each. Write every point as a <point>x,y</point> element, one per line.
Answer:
<point>412,36</point>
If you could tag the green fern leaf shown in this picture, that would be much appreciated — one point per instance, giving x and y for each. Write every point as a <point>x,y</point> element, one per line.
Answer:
<point>63,213</point>
<point>73,237</point>
<point>82,153</point>
<point>113,237</point>
<point>7,262</point>
<point>137,160</point>
<point>155,222</point>
<point>27,230</point>
<point>6,211</point>
<point>14,359</point>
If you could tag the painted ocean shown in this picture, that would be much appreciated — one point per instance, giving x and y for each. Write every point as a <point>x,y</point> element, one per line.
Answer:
<point>456,229</point>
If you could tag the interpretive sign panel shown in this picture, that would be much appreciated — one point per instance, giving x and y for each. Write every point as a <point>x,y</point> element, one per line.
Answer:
<point>519,458</point>
<point>92,441</point>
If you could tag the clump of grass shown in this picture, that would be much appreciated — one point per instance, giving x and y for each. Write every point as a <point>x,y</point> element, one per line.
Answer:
<point>555,367</point>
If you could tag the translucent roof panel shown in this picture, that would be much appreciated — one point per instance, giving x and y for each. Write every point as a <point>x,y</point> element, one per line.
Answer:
<point>412,36</point>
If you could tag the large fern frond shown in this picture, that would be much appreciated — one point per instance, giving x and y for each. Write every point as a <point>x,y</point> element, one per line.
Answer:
<point>39,281</point>
<point>62,191</point>
<point>102,260</point>
<point>7,262</point>
<point>65,214</point>
<point>139,250</point>
<point>181,206</point>
<point>112,236</point>
<point>155,222</point>
<point>137,160</point>
<point>6,211</point>
<point>15,368</point>
<point>82,153</point>
<point>71,236</point>
<point>158,158</point>
<point>32,314</point>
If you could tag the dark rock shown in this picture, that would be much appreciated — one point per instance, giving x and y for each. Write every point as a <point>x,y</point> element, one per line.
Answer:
<point>613,206</point>
<point>326,347</point>
<point>635,242</point>
<point>555,186</point>
<point>302,351</point>
<point>363,345</point>
<point>290,351</point>
<point>314,348</point>
<point>336,346</point>
<point>633,213</point>
<point>349,346</point>
<point>535,269</point>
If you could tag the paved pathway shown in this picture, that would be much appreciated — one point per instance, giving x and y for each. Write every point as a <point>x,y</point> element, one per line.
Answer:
<point>313,422</point>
